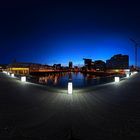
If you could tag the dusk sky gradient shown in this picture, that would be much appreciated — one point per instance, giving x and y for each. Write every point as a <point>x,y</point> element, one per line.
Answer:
<point>51,32</point>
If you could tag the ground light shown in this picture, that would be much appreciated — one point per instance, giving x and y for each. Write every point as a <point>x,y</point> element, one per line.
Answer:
<point>70,87</point>
<point>5,72</point>
<point>127,75</point>
<point>127,72</point>
<point>117,79</point>
<point>131,73</point>
<point>8,73</point>
<point>134,72</point>
<point>12,75</point>
<point>23,78</point>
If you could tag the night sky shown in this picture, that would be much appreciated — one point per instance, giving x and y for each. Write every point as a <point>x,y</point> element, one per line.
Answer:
<point>51,32</point>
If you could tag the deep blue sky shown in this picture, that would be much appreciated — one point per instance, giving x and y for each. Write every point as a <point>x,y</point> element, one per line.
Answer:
<point>50,32</point>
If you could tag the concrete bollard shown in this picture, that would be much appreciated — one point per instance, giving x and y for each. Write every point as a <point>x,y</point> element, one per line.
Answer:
<point>127,75</point>
<point>23,78</point>
<point>70,87</point>
<point>117,79</point>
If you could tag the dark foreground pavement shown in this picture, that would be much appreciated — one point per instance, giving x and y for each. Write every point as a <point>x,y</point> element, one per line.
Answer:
<point>29,111</point>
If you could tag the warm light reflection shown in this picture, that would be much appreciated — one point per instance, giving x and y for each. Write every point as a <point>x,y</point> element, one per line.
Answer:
<point>89,76</point>
<point>43,80</point>
<point>55,80</point>
<point>78,79</point>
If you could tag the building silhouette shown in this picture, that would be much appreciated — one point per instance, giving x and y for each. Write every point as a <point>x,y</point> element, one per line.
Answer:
<point>57,66</point>
<point>118,61</point>
<point>88,63</point>
<point>70,65</point>
<point>27,68</point>
<point>99,65</point>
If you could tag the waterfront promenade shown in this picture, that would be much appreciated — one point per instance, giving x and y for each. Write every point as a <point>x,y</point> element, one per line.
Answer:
<point>31,111</point>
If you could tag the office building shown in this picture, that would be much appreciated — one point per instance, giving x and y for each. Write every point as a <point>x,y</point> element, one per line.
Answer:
<point>70,65</point>
<point>99,65</point>
<point>118,61</point>
<point>88,63</point>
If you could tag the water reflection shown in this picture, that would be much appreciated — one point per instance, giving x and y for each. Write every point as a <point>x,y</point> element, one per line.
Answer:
<point>43,80</point>
<point>78,79</point>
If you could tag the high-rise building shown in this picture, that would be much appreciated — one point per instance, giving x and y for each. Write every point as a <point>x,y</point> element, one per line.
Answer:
<point>57,66</point>
<point>118,61</point>
<point>70,65</point>
<point>99,65</point>
<point>88,63</point>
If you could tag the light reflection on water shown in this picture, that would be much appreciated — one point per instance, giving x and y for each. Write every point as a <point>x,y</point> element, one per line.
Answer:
<point>79,79</point>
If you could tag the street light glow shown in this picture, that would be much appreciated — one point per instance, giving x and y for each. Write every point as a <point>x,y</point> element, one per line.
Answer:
<point>12,75</point>
<point>23,78</point>
<point>117,79</point>
<point>127,75</point>
<point>70,88</point>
